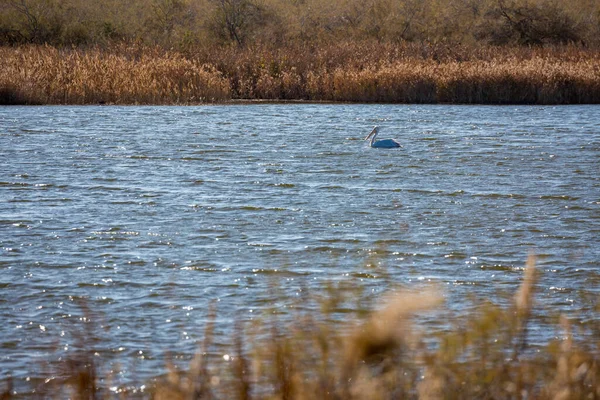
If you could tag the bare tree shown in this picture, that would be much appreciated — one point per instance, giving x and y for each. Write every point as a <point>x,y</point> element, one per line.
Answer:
<point>31,14</point>
<point>529,24</point>
<point>234,19</point>
<point>167,14</point>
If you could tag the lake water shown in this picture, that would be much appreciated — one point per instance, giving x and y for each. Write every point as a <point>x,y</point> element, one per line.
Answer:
<point>150,213</point>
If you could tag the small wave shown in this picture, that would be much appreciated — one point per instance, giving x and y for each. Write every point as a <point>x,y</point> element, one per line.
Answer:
<point>499,195</point>
<point>216,150</point>
<point>334,240</point>
<point>327,171</point>
<point>55,200</point>
<point>260,244</point>
<point>257,208</point>
<point>424,191</point>
<point>104,179</point>
<point>11,344</point>
<point>456,254</point>
<point>32,185</point>
<point>34,131</point>
<point>277,271</point>
<point>326,249</point>
<point>576,208</point>
<point>559,197</point>
<point>331,187</point>
<point>200,268</point>
<point>137,262</point>
<point>387,242</point>
<point>363,275</point>
<point>114,232</point>
<point>155,243</point>
<point>91,284</point>
<point>440,243</point>
<point>285,185</point>
<point>115,229</point>
<point>500,267</point>
<point>18,184</point>
<point>103,187</point>
<point>463,283</point>
<point>19,222</point>
<point>252,208</point>
<point>273,171</point>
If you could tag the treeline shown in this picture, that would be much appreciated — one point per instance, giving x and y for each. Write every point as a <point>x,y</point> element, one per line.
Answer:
<point>187,24</point>
<point>401,51</point>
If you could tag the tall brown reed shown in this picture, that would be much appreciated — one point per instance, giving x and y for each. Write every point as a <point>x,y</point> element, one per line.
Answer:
<point>412,73</point>
<point>46,75</point>
<point>315,354</point>
<point>384,356</point>
<point>348,72</point>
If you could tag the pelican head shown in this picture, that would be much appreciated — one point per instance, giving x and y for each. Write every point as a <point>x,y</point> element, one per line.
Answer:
<point>373,133</point>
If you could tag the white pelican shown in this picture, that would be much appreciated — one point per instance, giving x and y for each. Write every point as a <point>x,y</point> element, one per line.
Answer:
<point>382,143</point>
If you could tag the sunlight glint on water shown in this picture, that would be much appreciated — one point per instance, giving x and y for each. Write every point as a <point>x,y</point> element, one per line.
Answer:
<point>150,213</point>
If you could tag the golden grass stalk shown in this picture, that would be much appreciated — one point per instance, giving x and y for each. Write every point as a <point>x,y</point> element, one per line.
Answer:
<point>317,353</point>
<point>355,72</point>
<point>46,75</point>
<point>375,352</point>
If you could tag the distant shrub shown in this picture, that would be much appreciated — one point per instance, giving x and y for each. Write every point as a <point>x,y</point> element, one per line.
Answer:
<point>183,23</point>
<point>238,21</point>
<point>520,22</point>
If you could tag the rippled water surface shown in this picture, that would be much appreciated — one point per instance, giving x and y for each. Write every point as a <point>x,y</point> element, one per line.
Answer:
<point>149,213</point>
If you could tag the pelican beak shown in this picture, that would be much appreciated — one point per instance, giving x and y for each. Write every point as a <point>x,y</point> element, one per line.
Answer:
<point>370,134</point>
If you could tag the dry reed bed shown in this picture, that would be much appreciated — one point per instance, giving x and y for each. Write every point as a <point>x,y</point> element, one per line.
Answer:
<point>412,73</point>
<point>345,72</point>
<point>46,75</point>
<point>533,81</point>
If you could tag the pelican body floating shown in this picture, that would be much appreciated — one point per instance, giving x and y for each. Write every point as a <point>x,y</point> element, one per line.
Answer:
<point>382,143</point>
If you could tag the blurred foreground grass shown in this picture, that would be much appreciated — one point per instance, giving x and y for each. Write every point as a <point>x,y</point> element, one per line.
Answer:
<point>378,355</point>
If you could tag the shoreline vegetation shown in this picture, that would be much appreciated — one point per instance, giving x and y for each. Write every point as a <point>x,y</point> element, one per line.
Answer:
<point>380,51</point>
<point>321,350</point>
<point>365,72</point>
